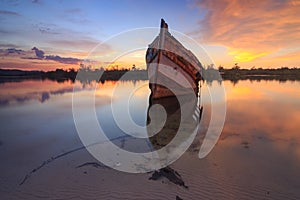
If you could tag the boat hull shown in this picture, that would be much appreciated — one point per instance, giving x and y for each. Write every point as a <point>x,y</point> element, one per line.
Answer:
<point>168,82</point>
<point>172,69</point>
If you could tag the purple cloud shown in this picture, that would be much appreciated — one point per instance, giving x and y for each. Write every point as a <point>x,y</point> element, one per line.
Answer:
<point>6,12</point>
<point>14,50</point>
<point>11,51</point>
<point>64,60</point>
<point>38,53</point>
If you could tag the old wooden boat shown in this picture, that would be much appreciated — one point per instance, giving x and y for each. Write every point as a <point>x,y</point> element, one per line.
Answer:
<point>172,69</point>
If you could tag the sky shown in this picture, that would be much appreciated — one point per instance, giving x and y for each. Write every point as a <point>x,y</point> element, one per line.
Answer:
<point>45,35</point>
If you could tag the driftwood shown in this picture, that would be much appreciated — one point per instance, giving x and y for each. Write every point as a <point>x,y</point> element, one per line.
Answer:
<point>46,162</point>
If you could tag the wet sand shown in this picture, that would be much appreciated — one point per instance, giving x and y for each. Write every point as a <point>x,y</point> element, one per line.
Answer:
<point>229,172</point>
<point>256,157</point>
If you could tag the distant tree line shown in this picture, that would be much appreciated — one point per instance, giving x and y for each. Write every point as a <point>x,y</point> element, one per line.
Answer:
<point>83,74</point>
<point>237,73</point>
<point>209,73</point>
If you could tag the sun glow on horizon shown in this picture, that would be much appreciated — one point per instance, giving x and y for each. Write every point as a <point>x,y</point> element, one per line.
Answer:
<point>244,56</point>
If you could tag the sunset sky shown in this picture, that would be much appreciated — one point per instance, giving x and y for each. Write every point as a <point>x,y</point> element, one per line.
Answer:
<point>44,35</point>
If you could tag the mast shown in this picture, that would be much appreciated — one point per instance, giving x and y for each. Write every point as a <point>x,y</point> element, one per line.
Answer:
<point>163,29</point>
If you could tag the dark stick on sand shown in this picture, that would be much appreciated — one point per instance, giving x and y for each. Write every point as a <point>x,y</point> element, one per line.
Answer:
<point>93,164</point>
<point>48,161</point>
<point>27,176</point>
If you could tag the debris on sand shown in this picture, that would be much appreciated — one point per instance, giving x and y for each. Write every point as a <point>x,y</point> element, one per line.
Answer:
<point>93,164</point>
<point>178,198</point>
<point>245,144</point>
<point>170,174</point>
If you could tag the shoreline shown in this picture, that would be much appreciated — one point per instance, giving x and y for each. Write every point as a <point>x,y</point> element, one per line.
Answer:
<point>86,76</point>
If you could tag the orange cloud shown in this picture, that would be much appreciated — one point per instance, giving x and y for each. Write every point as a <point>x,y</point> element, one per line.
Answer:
<point>244,56</point>
<point>251,29</point>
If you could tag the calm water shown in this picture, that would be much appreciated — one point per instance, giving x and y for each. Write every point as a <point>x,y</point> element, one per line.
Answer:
<point>257,155</point>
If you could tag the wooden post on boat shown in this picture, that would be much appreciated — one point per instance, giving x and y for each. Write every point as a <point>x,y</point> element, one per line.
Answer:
<point>163,28</point>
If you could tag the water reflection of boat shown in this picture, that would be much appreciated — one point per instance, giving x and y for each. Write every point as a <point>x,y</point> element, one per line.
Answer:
<point>161,132</point>
<point>171,67</point>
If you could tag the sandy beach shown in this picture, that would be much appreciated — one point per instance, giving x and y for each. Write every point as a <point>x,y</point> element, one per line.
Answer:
<point>78,175</point>
<point>43,157</point>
